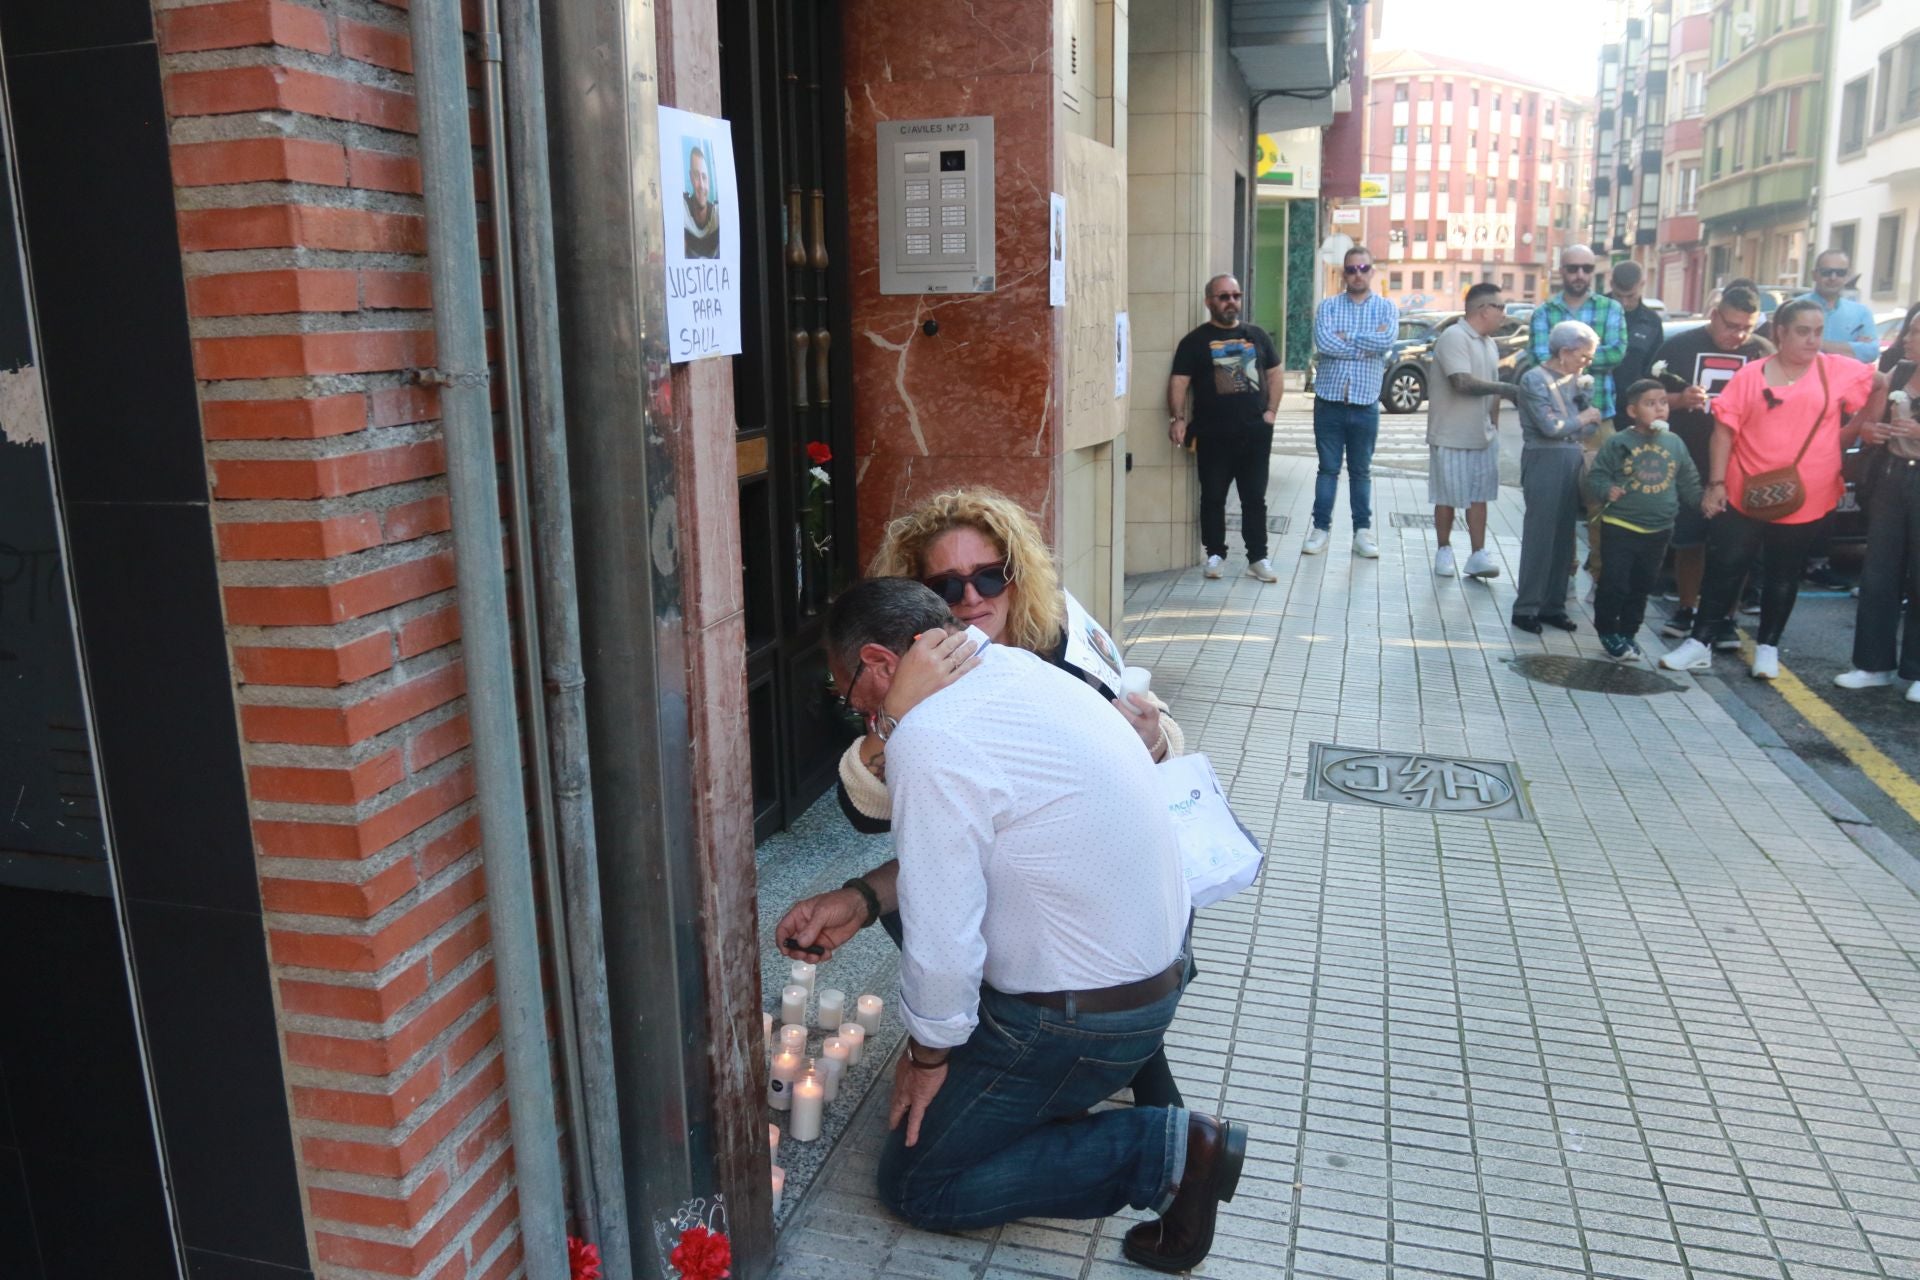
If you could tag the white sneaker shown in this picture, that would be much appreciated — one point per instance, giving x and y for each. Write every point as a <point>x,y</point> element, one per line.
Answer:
<point>1443,566</point>
<point>1913,691</point>
<point>1480,565</point>
<point>1858,679</point>
<point>1364,546</point>
<point>1263,570</point>
<point>1215,567</point>
<point>1766,662</point>
<point>1688,655</point>
<point>1316,542</point>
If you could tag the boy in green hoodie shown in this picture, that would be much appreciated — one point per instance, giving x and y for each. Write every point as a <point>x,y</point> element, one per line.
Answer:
<point>1641,476</point>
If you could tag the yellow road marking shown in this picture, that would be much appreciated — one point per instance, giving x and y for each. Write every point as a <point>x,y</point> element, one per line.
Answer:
<point>1881,771</point>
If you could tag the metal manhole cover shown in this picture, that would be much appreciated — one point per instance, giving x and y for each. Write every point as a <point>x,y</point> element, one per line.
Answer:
<point>1415,780</point>
<point>1275,524</point>
<point>1411,519</point>
<point>1592,675</point>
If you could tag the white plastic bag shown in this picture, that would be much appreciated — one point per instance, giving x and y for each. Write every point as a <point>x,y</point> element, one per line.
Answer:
<point>1218,854</point>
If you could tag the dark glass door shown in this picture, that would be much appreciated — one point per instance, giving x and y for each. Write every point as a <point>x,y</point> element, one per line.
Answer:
<point>792,383</point>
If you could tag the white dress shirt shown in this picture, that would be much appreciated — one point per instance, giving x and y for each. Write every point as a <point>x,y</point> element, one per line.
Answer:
<point>1035,848</point>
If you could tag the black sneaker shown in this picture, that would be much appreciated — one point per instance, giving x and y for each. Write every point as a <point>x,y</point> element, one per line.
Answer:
<point>1726,637</point>
<point>1618,647</point>
<point>1679,624</point>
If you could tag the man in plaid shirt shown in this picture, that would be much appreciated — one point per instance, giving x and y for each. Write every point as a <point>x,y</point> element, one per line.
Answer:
<point>1352,332</point>
<point>1577,301</point>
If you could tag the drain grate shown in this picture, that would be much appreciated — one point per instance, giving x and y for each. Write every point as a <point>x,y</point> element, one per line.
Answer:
<point>1275,524</point>
<point>1592,675</point>
<point>1411,519</point>
<point>1416,781</point>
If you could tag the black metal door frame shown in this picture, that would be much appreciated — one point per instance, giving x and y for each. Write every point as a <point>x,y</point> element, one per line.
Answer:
<point>781,87</point>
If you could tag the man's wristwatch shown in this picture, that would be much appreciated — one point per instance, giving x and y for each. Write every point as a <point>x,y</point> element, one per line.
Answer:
<point>914,1058</point>
<point>860,886</point>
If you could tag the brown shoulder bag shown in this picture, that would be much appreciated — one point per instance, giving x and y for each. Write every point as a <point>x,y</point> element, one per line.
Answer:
<point>1777,494</point>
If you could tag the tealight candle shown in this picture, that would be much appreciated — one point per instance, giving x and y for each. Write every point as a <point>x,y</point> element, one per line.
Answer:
<point>869,1014</point>
<point>779,1186</point>
<point>793,1004</point>
<point>833,1064</point>
<point>773,1142</point>
<point>854,1036</point>
<point>804,974</point>
<point>809,1103</point>
<point>833,1007</point>
<point>780,1079</point>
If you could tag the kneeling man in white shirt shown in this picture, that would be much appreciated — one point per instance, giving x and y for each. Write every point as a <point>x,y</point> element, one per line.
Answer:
<point>1044,910</point>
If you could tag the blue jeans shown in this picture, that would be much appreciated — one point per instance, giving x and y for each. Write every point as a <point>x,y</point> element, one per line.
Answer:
<point>1350,429</point>
<point>999,1142</point>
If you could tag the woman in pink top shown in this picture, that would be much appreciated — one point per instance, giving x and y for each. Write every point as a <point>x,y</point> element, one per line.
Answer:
<point>1772,410</point>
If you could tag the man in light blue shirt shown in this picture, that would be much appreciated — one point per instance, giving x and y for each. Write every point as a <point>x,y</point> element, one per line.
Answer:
<point>1850,327</point>
<point>1352,331</point>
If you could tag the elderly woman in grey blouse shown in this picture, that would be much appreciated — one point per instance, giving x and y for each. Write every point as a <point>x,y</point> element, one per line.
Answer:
<point>1556,414</point>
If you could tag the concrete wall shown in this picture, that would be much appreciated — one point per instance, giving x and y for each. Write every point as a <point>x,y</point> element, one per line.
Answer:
<point>1170,158</point>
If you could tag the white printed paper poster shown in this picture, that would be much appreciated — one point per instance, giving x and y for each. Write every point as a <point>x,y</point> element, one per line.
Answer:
<point>1057,253</point>
<point>1089,647</point>
<point>702,214</point>
<point>1122,352</point>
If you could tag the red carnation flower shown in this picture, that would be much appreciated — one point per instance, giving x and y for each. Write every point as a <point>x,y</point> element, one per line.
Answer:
<point>703,1255</point>
<point>583,1259</point>
<point>818,454</point>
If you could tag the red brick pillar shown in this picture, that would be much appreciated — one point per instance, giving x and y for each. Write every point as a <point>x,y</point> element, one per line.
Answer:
<point>303,243</point>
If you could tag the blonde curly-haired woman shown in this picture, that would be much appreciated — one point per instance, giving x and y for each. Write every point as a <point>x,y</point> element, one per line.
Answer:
<point>982,553</point>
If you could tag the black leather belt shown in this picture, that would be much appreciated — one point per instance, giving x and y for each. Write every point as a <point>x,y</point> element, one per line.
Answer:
<point>1132,995</point>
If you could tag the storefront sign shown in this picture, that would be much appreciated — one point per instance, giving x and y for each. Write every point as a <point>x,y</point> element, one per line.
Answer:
<point>1375,188</point>
<point>698,197</point>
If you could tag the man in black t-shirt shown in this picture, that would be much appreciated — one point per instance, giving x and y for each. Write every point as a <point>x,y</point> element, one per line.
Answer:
<point>1696,366</point>
<point>1233,371</point>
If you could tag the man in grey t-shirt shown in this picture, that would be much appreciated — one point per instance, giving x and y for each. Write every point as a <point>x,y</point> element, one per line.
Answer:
<point>1463,418</point>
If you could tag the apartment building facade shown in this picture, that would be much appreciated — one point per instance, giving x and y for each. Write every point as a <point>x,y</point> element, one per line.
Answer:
<point>1487,173</point>
<point>1870,194</point>
<point>1764,135</point>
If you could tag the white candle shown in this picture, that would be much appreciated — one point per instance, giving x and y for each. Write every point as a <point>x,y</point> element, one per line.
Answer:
<point>869,1014</point>
<point>793,1039</point>
<point>854,1036</point>
<point>833,1007</point>
<point>766,1029</point>
<point>833,1064</point>
<point>1135,680</point>
<point>773,1144</point>
<point>809,1102</point>
<point>779,1186</point>
<point>804,974</point>
<point>793,1004</point>
<point>785,1070</point>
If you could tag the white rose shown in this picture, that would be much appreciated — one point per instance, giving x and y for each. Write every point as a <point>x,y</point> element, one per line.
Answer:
<point>1659,368</point>
<point>1900,397</point>
<point>1660,424</point>
<point>1586,382</point>
<point>819,473</point>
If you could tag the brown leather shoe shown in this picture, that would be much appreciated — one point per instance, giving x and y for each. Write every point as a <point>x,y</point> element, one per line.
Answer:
<point>1183,1235</point>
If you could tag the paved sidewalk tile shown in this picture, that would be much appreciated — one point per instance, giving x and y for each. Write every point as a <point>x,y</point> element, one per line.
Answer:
<point>1668,1028</point>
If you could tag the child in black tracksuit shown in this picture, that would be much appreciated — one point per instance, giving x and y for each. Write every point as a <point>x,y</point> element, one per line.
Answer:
<point>1641,475</point>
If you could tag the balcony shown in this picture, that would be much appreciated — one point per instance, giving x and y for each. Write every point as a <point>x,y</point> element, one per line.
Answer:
<point>1288,44</point>
<point>1759,195</point>
<point>1680,228</point>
